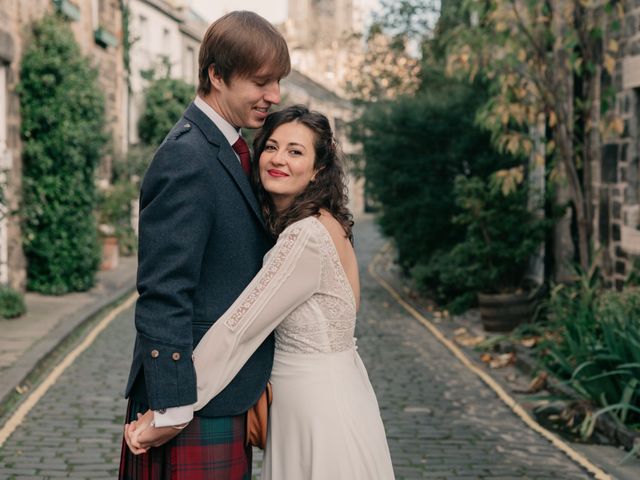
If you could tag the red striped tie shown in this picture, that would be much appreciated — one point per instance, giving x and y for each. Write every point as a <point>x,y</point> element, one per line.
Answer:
<point>242,149</point>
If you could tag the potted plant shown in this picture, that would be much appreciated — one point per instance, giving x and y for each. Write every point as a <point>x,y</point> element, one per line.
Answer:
<point>113,214</point>
<point>502,234</point>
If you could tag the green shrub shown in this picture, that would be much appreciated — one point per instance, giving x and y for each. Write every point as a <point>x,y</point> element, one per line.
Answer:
<point>114,214</point>
<point>165,101</point>
<point>414,148</point>
<point>501,234</point>
<point>115,200</point>
<point>11,303</point>
<point>63,136</point>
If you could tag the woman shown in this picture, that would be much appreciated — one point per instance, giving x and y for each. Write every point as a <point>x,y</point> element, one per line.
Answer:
<point>324,420</point>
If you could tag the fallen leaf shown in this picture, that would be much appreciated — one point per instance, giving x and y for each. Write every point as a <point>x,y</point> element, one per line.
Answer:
<point>537,384</point>
<point>486,357</point>
<point>469,340</point>
<point>22,389</point>
<point>529,342</point>
<point>503,360</point>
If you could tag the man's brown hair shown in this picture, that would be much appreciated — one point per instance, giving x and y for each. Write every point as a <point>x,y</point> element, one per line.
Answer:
<point>241,43</point>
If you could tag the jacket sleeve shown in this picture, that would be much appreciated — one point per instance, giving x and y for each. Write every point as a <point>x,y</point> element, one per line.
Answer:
<point>176,215</point>
<point>290,275</point>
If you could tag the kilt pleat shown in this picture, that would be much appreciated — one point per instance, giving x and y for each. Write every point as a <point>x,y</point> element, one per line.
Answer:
<point>207,449</point>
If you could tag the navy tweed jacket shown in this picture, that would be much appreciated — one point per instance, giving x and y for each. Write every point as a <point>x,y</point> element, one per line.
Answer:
<point>202,240</point>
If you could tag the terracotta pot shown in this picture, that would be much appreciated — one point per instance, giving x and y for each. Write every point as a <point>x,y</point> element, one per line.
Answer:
<point>502,312</point>
<point>110,253</point>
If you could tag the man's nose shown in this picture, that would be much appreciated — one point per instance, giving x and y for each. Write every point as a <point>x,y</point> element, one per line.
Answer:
<point>272,93</point>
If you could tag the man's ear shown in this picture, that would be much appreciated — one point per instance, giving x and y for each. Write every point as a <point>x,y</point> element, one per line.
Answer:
<point>216,80</point>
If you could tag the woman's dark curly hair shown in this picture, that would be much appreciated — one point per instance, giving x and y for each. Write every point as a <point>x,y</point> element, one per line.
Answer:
<point>329,188</point>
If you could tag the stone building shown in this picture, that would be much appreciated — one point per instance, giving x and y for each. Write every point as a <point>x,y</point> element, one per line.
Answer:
<point>616,184</point>
<point>323,36</point>
<point>165,37</point>
<point>97,26</point>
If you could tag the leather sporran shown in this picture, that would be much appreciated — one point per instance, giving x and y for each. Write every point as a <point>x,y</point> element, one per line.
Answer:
<point>257,420</point>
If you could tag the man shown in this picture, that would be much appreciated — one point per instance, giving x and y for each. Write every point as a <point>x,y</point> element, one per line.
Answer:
<point>202,240</point>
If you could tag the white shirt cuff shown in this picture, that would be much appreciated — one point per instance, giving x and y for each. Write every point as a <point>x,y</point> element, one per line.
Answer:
<point>169,417</point>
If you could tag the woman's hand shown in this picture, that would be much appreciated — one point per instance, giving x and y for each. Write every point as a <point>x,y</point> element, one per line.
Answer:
<point>141,435</point>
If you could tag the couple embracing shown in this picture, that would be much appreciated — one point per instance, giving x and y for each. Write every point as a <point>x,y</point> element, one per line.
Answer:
<point>247,275</point>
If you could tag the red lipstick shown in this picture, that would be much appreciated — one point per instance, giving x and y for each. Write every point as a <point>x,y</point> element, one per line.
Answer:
<point>276,173</point>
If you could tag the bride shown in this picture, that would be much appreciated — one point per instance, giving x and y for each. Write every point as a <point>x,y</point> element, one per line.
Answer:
<point>324,421</point>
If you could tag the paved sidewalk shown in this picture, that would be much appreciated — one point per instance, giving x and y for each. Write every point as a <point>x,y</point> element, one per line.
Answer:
<point>27,340</point>
<point>513,380</point>
<point>441,420</point>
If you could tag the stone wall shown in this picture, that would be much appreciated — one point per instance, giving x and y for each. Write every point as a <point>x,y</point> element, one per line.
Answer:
<point>616,182</point>
<point>17,16</point>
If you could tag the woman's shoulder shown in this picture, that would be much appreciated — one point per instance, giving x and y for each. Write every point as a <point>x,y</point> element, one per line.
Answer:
<point>312,222</point>
<point>331,223</point>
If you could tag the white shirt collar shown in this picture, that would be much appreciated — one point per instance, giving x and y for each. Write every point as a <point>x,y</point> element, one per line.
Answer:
<point>228,130</point>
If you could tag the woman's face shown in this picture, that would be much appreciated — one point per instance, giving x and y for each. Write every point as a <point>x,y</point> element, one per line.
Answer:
<point>287,163</point>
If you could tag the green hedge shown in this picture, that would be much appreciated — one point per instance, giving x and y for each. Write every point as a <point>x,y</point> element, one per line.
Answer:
<point>414,149</point>
<point>63,136</point>
<point>11,303</point>
<point>165,101</point>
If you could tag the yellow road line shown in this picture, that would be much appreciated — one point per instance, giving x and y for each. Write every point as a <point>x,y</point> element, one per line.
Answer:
<point>21,412</point>
<point>500,392</point>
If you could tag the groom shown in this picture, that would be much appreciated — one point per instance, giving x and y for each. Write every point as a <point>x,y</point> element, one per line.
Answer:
<point>202,240</point>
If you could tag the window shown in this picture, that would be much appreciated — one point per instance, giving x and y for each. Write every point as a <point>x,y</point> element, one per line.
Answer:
<point>143,26</point>
<point>189,65</point>
<point>5,164</point>
<point>95,14</point>
<point>166,41</point>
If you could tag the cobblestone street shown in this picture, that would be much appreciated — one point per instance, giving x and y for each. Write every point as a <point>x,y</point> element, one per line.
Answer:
<point>441,420</point>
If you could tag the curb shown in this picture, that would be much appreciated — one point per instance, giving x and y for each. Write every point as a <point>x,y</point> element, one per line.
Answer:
<point>27,363</point>
<point>574,455</point>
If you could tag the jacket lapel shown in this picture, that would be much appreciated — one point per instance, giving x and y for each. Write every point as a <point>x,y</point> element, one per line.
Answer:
<point>226,156</point>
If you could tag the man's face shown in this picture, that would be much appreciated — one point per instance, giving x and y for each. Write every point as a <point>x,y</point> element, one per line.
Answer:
<point>245,101</point>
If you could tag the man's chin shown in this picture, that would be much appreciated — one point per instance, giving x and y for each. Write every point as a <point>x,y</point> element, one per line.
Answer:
<point>256,123</point>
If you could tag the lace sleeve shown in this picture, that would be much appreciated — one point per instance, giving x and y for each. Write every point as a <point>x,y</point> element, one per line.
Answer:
<point>289,277</point>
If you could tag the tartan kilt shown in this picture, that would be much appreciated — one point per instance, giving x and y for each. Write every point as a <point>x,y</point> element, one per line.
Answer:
<point>207,449</point>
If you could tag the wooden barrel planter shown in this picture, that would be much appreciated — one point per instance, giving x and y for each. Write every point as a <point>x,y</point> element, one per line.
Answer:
<point>502,312</point>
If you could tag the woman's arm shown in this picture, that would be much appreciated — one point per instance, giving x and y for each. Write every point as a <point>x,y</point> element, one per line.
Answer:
<point>288,278</point>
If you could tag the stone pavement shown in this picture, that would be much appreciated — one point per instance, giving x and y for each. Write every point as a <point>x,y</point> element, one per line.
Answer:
<point>27,340</point>
<point>441,420</point>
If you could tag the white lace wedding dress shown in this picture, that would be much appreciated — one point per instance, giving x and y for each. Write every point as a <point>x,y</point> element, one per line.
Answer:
<point>324,421</point>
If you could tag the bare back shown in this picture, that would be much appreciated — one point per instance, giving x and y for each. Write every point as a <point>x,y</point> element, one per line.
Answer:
<point>345,252</point>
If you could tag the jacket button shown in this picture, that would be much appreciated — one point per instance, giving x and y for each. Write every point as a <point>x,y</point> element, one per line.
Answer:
<point>176,356</point>
<point>155,353</point>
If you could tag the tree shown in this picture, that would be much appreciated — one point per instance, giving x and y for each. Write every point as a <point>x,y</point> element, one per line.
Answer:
<point>415,147</point>
<point>386,70</point>
<point>390,66</point>
<point>547,60</point>
<point>165,101</point>
<point>63,135</point>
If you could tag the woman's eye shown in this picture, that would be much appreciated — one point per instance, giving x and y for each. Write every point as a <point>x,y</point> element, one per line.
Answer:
<point>296,152</point>
<point>270,148</point>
